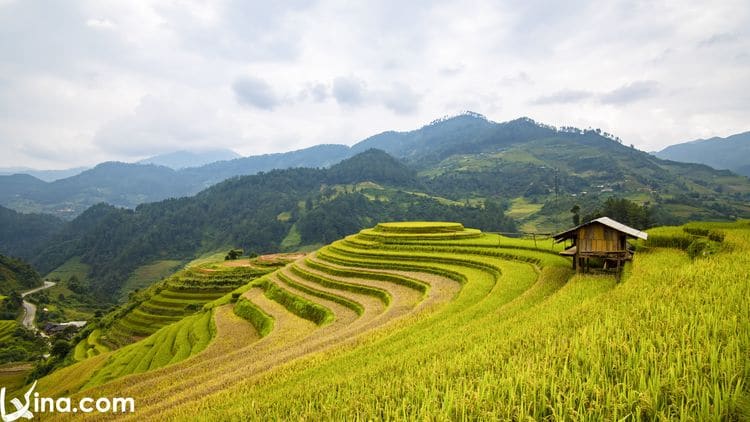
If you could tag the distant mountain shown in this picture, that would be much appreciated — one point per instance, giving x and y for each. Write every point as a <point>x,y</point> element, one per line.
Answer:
<point>182,159</point>
<point>259,213</point>
<point>468,133</point>
<point>318,156</point>
<point>463,168</point>
<point>732,152</point>
<point>115,183</point>
<point>128,185</point>
<point>45,175</point>
<point>461,158</point>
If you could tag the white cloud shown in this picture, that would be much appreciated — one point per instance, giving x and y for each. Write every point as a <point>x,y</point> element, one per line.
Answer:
<point>255,92</point>
<point>100,24</point>
<point>349,91</point>
<point>85,81</point>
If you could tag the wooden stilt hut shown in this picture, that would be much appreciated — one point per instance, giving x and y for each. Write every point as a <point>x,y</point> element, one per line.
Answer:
<point>602,238</point>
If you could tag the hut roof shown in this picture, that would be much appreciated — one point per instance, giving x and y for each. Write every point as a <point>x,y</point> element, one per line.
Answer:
<point>607,222</point>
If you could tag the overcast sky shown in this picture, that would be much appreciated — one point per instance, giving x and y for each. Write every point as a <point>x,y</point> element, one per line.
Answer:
<point>87,81</point>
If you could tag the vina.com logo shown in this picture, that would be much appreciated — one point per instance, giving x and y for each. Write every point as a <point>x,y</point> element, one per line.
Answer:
<point>41,404</point>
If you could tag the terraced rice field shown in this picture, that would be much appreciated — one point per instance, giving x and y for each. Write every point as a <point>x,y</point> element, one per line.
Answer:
<point>168,302</point>
<point>89,347</point>
<point>422,321</point>
<point>7,327</point>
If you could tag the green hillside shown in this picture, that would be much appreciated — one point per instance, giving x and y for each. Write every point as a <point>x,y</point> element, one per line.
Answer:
<point>16,275</point>
<point>464,168</point>
<point>256,213</point>
<point>432,320</point>
<point>182,294</point>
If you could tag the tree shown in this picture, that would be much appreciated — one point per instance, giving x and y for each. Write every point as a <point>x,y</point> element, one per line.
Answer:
<point>576,210</point>
<point>60,348</point>
<point>234,254</point>
<point>74,284</point>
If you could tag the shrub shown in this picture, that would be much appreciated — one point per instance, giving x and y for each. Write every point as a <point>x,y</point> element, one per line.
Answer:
<point>716,235</point>
<point>701,247</point>
<point>697,231</point>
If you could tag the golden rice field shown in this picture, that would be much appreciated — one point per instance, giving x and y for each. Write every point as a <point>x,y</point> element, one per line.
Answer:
<point>438,322</point>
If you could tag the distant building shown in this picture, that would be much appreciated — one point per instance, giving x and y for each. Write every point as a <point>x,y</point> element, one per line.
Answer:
<point>51,328</point>
<point>602,238</point>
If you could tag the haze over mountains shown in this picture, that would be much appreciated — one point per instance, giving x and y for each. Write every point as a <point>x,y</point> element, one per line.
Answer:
<point>182,159</point>
<point>45,175</point>
<point>732,152</point>
<point>511,176</point>
<point>522,151</point>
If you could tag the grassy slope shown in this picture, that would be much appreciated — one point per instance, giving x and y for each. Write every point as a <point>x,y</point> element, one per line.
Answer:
<point>146,275</point>
<point>669,341</point>
<point>73,267</point>
<point>522,339</point>
<point>7,327</point>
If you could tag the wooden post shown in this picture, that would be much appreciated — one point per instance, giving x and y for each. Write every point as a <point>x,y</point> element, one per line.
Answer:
<point>618,274</point>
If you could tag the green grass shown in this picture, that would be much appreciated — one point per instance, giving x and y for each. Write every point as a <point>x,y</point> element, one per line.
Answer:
<point>296,304</point>
<point>668,342</point>
<point>354,306</point>
<point>182,294</point>
<point>520,208</point>
<point>72,267</point>
<point>147,275</point>
<point>158,350</point>
<point>262,322</point>
<point>7,327</point>
<point>13,377</point>
<point>524,339</point>
<point>292,240</point>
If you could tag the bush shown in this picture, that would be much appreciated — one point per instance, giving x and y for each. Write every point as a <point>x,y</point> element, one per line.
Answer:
<point>13,354</point>
<point>701,248</point>
<point>697,231</point>
<point>716,235</point>
<point>233,254</point>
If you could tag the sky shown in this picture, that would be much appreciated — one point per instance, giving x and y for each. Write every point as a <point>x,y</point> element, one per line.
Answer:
<point>83,82</point>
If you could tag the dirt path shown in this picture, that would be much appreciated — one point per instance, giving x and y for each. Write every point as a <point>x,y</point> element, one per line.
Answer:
<point>29,308</point>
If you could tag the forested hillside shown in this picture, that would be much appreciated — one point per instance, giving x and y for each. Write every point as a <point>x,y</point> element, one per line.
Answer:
<point>517,175</point>
<point>128,185</point>
<point>16,275</point>
<point>459,157</point>
<point>257,213</point>
<point>22,235</point>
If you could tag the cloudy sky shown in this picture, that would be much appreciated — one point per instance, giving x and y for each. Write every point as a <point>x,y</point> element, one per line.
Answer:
<point>87,81</point>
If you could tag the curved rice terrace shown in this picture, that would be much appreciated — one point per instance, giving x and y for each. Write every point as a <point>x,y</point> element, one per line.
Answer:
<point>168,302</point>
<point>432,320</point>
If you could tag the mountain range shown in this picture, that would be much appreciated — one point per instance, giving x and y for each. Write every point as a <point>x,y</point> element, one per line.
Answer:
<point>521,142</point>
<point>513,176</point>
<point>45,175</point>
<point>129,184</point>
<point>183,159</point>
<point>732,152</point>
